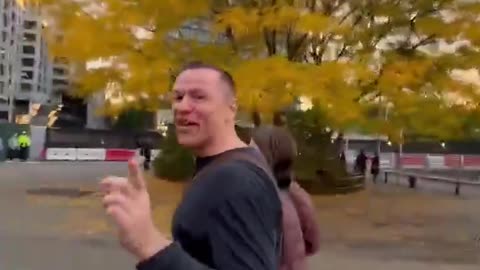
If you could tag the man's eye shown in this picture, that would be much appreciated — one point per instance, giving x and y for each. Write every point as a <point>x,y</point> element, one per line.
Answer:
<point>198,96</point>
<point>178,97</point>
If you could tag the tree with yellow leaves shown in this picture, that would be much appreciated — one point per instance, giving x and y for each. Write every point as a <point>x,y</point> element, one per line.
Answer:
<point>378,65</point>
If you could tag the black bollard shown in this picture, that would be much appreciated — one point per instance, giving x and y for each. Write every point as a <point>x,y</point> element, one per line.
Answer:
<point>412,181</point>
<point>386,177</point>
<point>457,189</point>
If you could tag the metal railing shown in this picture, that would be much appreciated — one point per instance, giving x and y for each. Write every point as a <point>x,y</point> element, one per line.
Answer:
<point>415,178</point>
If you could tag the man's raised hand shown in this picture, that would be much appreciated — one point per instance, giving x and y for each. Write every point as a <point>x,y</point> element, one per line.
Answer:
<point>127,202</point>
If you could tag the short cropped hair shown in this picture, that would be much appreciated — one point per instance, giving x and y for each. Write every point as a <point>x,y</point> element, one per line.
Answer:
<point>225,76</point>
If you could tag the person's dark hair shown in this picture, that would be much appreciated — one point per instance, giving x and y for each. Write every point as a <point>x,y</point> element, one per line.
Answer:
<point>225,76</point>
<point>279,119</point>
<point>256,118</point>
<point>279,149</point>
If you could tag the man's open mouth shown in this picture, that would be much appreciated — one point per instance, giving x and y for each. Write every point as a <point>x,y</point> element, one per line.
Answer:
<point>185,123</point>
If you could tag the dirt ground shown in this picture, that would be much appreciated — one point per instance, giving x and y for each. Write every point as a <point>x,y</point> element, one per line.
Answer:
<point>383,224</point>
<point>385,227</point>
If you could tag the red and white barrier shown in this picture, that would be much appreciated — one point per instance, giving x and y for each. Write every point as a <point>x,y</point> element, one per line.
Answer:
<point>119,154</point>
<point>61,154</point>
<point>387,160</point>
<point>92,154</point>
<point>413,161</point>
<point>436,161</point>
<point>453,161</point>
<point>471,162</point>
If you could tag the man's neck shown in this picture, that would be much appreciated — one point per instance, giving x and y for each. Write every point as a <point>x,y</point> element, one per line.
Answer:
<point>222,145</point>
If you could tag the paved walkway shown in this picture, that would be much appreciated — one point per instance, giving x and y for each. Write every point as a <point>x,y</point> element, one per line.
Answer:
<point>384,228</point>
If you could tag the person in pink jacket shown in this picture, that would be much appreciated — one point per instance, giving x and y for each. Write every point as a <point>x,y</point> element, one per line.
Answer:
<point>300,228</point>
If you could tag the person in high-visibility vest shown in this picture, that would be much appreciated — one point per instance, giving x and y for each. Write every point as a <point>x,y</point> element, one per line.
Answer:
<point>24,143</point>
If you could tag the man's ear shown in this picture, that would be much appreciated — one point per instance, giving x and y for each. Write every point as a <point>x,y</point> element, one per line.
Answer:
<point>234,106</point>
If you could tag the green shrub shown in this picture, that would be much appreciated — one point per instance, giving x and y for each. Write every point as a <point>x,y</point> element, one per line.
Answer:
<point>175,163</point>
<point>318,167</point>
<point>317,153</point>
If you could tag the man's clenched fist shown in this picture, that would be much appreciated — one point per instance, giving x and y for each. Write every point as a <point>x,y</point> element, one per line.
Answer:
<point>127,202</point>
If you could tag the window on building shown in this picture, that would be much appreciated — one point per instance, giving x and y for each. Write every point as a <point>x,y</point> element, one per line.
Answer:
<point>60,60</point>
<point>28,62</point>
<point>26,87</point>
<point>59,89</point>
<point>4,36</point>
<point>59,71</point>
<point>29,37</point>
<point>14,16</point>
<point>59,82</point>
<point>27,75</point>
<point>29,25</point>
<point>2,85</point>
<point>2,69</point>
<point>28,49</point>
<point>5,19</point>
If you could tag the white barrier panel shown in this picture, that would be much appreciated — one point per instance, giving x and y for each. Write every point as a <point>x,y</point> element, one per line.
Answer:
<point>436,161</point>
<point>91,154</point>
<point>350,156</point>
<point>387,160</point>
<point>155,153</point>
<point>61,154</point>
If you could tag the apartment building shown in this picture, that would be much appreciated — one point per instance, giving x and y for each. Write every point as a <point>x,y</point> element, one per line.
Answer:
<point>28,77</point>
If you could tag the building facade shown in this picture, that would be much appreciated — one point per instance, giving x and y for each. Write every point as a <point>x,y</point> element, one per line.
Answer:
<point>28,77</point>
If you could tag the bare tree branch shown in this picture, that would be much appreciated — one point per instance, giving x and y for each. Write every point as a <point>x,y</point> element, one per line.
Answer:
<point>427,40</point>
<point>270,41</point>
<point>345,17</point>
<point>231,37</point>
<point>343,51</point>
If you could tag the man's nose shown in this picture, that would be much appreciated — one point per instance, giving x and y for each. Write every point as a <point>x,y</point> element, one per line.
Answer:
<point>183,105</point>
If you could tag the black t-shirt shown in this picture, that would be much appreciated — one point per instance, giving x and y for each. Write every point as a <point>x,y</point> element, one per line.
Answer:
<point>229,219</point>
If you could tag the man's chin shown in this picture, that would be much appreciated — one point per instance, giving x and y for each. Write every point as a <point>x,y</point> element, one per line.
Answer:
<point>186,142</point>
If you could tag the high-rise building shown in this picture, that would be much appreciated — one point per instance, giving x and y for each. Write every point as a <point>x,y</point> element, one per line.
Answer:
<point>28,78</point>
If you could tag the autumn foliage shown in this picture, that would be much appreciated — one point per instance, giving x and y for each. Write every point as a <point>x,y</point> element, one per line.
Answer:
<point>373,65</point>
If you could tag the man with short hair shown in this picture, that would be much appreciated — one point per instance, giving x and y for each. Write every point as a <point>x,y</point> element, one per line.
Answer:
<point>230,217</point>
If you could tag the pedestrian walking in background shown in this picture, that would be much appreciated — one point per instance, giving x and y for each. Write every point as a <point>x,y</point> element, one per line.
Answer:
<point>12,151</point>
<point>24,143</point>
<point>361,163</point>
<point>231,215</point>
<point>300,228</point>
<point>375,167</point>
<point>146,152</point>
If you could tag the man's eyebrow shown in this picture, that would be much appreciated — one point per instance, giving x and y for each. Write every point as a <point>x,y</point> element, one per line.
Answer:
<point>183,90</point>
<point>196,90</point>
